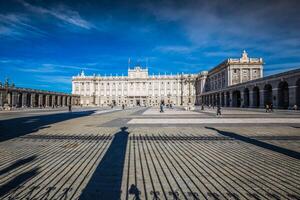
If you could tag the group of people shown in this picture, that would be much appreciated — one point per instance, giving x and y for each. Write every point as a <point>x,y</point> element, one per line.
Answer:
<point>213,106</point>
<point>162,104</point>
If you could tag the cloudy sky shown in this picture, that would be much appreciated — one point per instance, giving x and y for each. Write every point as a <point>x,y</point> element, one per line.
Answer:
<point>43,43</point>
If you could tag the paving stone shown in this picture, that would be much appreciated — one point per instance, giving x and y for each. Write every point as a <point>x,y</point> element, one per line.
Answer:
<point>91,156</point>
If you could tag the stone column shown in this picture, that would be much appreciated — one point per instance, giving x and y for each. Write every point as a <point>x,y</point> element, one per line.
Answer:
<point>68,100</point>
<point>32,100</point>
<point>47,100</point>
<point>220,98</point>
<point>13,99</point>
<point>241,75</point>
<point>292,96</point>
<point>242,99</point>
<point>225,99</point>
<point>63,101</point>
<point>58,100</point>
<point>262,98</point>
<point>24,99</point>
<point>9,96</point>
<point>19,102</point>
<point>230,99</point>
<point>40,104</point>
<point>1,99</point>
<point>53,100</point>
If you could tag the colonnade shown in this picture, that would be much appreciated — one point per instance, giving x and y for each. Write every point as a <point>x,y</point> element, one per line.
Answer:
<point>281,94</point>
<point>20,98</point>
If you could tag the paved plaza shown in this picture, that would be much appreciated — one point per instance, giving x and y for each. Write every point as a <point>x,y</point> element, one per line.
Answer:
<point>140,153</point>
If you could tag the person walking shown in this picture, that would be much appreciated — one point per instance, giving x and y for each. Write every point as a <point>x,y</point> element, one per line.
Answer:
<point>271,107</point>
<point>267,108</point>
<point>219,110</point>
<point>123,106</point>
<point>295,107</point>
<point>70,108</point>
<point>161,108</point>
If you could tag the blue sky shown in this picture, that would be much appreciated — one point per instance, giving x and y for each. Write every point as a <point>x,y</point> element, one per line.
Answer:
<point>44,43</point>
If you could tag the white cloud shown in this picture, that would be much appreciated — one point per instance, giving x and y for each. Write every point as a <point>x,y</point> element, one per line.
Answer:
<point>174,49</point>
<point>62,13</point>
<point>231,25</point>
<point>18,25</point>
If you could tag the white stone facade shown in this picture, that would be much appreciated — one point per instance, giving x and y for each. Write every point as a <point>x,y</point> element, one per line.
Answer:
<point>138,88</point>
<point>234,71</point>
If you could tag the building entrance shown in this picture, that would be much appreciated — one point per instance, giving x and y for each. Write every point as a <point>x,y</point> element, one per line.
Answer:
<point>138,103</point>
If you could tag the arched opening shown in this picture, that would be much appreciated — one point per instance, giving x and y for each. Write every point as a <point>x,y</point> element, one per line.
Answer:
<point>283,95</point>
<point>36,100</point>
<point>214,99</point>
<point>207,100</point>
<point>44,101</point>
<point>298,93</point>
<point>227,103</point>
<point>222,99</point>
<point>236,98</point>
<point>50,100</point>
<point>246,98</point>
<point>256,97</point>
<point>66,101</point>
<point>268,95</point>
<point>217,99</point>
<point>20,96</point>
<point>56,101</point>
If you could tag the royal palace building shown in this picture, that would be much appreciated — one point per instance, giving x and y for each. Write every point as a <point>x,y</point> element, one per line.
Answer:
<point>234,82</point>
<point>138,88</point>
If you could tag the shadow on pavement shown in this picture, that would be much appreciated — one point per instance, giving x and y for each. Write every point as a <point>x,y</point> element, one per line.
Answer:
<point>106,181</point>
<point>135,191</point>
<point>258,143</point>
<point>16,127</point>
<point>17,181</point>
<point>17,164</point>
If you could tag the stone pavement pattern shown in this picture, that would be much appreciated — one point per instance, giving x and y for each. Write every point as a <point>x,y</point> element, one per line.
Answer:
<point>90,156</point>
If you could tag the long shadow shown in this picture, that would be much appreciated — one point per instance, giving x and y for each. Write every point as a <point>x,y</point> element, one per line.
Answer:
<point>107,178</point>
<point>17,164</point>
<point>17,181</point>
<point>265,145</point>
<point>16,127</point>
<point>133,190</point>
